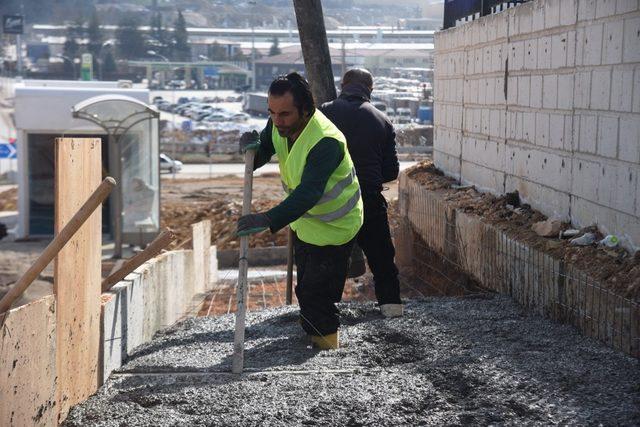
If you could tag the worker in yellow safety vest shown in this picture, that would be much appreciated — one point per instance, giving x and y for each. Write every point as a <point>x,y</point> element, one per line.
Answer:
<point>323,204</point>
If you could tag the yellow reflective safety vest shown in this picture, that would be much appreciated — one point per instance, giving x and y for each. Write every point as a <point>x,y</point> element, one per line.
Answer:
<point>338,215</point>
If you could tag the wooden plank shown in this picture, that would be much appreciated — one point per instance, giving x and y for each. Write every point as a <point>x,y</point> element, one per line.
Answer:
<point>28,365</point>
<point>77,272</point>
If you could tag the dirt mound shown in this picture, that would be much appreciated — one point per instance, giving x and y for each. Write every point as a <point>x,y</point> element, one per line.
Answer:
<point>616,268</point>
<point>9,200</point>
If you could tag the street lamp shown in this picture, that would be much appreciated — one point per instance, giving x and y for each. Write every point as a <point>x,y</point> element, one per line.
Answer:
<point>173,101</point>
<point>73,65</point>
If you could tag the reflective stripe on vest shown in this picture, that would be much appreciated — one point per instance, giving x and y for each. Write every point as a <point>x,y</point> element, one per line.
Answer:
<point>334,193</point>
<point>338,213</point>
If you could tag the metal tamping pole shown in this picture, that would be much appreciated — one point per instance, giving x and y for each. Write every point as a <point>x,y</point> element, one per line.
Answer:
<point>243,266</point>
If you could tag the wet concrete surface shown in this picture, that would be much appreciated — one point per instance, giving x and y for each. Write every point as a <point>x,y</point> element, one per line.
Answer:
<point>448,361</point>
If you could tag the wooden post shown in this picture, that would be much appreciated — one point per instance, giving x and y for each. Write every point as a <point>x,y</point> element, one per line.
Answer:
<point>315,49</point>
<point>77,272</point>
<point>58,242</point>
<point>289,289</point>
<point>154,248</point>
<point>238,340</point>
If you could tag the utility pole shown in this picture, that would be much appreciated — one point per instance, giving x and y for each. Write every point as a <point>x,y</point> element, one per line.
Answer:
<point>315,49</point>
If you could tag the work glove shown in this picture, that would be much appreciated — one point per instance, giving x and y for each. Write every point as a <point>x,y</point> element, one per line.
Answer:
<point>249,141</point>
<point>253,223</point>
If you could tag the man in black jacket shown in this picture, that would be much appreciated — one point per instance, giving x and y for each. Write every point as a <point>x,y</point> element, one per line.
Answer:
<point>371,142</point>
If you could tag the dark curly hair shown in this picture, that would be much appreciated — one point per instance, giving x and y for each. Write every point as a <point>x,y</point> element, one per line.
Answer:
<point>299,89</point>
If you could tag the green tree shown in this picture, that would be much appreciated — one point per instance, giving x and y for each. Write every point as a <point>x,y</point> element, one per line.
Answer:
<point>275,47</point>
<point>131,42</point>
<point>181,49</point>
<point>159,40</point>
<point>94,34</point>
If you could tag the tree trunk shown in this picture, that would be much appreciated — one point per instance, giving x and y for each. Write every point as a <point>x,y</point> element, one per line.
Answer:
<point>315,49</point>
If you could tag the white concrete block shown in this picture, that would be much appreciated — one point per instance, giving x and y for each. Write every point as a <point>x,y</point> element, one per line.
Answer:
<point>579,48</point>
<point>575,132</point>
<point>625,6</point>
<point>600,89</point>
<point>558,51</point>
<point>605,8</point>
<point>520,126</point>
<point>542,130</point>
<point>512,118</point>
<point>621,89</point>
<point>552,13</point>
<point>565,92</point>
<point>449,164</point>
<point>498,56</point>
<point>608,136</point>
<point>499,98</point>
<point>626,187</point>
<point>529,127</point>
<point>485,121</point>
<point>588,133</point>
<point>494,123</point>
<point>632,40</point>
<point>629,143</point>
<point>538,166</point>
<point>490,97</point>
<point>482,91</point>
<point>487,60</point>
<point>470,63</point>
<point>635,104</point>
<point>535,100</point>
<point>530,54</point>
<point>568,11</point>
<point>537,19</point>
<point>571,48</point>
<point>524,18</point>
<point>478,56</point>
<point>553,203</point>
<point>477,119</point>
<point>512,90</point>
<point>592,44</point>
<point>568,133</point>
<point>582,89</point>
<point>524,90</point>
<point>556,131</point>
<point>585,179</point>
<point>544,53</point>
<point>586,10</point>
<point>516,59</point>
<point>550,91</point>
<point>485,153</point>
<point>483,177</point>
<point>612,47</point>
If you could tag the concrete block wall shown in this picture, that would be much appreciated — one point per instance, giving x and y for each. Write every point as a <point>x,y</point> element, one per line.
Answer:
<point>156,295</point>
<point>545,99</point>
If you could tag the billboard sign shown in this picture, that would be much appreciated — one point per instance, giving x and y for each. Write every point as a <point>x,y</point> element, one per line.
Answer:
<point>12,24</point>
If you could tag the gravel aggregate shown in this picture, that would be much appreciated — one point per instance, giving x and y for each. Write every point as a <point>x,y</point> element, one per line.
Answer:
<point>448,361</point>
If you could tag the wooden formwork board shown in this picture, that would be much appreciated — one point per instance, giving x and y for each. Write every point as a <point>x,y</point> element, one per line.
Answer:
<point>28,365</point>
<point>77,272</point>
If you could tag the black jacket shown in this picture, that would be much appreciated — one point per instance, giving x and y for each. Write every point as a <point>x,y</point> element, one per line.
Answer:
<point>370,137</point>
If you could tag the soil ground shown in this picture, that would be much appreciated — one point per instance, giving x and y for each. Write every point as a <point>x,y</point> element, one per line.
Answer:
<point>617,268</point>
<point>448,361</point>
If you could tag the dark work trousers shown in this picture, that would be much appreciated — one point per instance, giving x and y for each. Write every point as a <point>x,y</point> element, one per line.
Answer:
<point>321,272</point>
<point>375,240</point>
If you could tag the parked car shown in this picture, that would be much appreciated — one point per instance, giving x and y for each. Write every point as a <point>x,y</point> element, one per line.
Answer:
<point>216,117</point>
<point>169,165</point>
<point>403,115</point>
<point>240,117</point>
